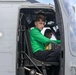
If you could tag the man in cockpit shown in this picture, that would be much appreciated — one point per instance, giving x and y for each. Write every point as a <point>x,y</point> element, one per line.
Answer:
<point>38,40</point>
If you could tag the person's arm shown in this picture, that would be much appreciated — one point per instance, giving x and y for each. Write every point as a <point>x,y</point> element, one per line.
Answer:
<point>57,41</point>
<point>41,38</point>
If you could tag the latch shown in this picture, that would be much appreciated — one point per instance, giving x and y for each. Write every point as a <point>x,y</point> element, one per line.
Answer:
<point>73,69</point>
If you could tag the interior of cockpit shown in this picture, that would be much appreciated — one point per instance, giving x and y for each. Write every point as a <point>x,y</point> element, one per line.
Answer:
<point>25,57</point>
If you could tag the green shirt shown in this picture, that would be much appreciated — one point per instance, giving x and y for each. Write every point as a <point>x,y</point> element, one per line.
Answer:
<point>38,40</point>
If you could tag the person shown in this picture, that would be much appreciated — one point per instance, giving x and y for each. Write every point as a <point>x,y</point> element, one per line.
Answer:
<point>38,40</point>
<point>48,33</point>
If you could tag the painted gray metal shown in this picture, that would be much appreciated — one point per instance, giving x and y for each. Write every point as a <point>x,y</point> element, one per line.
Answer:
<point>9,17</point>
<point>70,60</point>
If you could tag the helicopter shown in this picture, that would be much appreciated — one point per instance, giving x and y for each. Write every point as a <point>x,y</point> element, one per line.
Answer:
<point>16,18</point>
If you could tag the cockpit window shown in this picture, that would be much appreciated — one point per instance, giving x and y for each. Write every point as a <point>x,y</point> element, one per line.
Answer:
<point>71,26</point>
<point>46,1</point>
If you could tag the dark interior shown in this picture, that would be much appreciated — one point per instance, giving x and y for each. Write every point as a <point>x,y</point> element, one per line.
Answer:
<point>27,18</point>
<point>26,21</point>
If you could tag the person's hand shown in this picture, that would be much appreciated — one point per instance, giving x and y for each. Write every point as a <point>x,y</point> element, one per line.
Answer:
<point>58,42</point>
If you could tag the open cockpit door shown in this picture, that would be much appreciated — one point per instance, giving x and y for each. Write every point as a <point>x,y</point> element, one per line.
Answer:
<point>67,25</point>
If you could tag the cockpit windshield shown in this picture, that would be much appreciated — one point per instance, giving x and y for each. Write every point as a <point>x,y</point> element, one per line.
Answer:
<point>71,25</point>
<point>46,1</point>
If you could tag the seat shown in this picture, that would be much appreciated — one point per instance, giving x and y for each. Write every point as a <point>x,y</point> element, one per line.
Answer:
<point>33,61</point>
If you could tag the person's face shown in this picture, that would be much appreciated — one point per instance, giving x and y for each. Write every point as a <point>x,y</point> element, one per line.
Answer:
<point>49,35</point>
<point>39,24</point>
